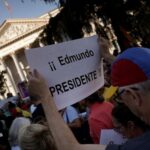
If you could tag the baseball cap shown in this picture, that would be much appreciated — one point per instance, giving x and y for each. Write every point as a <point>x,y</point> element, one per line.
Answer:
<point>131,66</point>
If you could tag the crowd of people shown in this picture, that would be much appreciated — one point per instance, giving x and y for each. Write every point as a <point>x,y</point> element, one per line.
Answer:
<point>79,126</point>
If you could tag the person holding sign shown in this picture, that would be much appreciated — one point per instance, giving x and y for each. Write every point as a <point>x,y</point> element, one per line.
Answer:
<point>131,73</point>
<point>63,137</point>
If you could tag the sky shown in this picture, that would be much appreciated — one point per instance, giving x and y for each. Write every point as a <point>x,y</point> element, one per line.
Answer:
<point>26,9</point>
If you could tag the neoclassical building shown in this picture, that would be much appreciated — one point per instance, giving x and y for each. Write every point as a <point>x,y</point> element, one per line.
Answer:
<point>16,36</point>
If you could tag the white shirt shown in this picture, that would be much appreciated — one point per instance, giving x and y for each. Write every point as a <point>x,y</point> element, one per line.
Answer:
<point>70,114</point>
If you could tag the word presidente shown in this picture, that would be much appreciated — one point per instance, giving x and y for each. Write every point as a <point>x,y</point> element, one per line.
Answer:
<point>73,83</point>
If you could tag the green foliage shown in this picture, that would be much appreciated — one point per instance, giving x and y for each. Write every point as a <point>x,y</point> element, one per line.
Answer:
<point>130,20</point>
<point>70,22</point>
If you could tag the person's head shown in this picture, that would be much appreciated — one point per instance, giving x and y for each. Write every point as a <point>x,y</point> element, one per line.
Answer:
<point>17,124</point>
<point>126,123</point>
<point>9,95</point>
<point>131,73</point>
<point>115,52</point>
<point>95,97</point>
<point>36,137</point>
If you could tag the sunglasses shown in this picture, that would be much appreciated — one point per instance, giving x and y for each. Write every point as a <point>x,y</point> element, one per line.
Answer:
<point>118,96</point>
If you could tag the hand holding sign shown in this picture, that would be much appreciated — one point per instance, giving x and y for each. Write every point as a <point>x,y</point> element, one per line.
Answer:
<point>38,88</point>
<point>104,45</point>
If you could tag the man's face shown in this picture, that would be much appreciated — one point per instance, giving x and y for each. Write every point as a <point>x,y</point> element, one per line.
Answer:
<point>137,102</point>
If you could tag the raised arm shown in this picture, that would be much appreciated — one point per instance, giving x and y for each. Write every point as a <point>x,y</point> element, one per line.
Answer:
<point>62,135</point>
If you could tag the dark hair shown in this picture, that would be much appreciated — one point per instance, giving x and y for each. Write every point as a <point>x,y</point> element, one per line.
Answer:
<point>9,95</point>
<point>115,52</point>
<point>123,115</point>
<point>95,97</point>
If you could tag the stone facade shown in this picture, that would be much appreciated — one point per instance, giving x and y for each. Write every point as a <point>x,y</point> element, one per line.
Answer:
<point>16,36</point>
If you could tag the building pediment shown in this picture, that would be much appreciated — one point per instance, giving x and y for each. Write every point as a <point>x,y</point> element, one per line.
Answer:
<point>15,28</point>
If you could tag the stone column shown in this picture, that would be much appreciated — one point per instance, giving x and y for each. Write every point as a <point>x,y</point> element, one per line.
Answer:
<point>20,72</point>
<point>10,84</point>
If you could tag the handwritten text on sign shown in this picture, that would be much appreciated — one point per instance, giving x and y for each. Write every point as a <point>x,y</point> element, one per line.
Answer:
<point>72,69</point>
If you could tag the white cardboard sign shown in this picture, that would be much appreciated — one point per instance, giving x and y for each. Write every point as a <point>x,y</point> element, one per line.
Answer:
<point>72,69</point>
<point>110,136</point>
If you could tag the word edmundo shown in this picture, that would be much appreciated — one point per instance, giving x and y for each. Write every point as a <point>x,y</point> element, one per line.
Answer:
<point>73,58</point>
<point>73,83</point>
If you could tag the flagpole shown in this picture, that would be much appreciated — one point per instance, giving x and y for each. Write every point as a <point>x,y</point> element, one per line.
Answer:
<point>8,7</point>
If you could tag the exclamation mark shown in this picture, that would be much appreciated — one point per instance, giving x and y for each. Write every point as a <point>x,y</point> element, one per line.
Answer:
<point>52,66</point>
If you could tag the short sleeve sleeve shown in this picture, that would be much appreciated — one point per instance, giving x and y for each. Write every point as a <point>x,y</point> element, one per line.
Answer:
<point>72,113</point>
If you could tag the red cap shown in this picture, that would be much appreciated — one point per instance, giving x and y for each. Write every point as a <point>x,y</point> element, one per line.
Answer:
<point>125,72</point>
